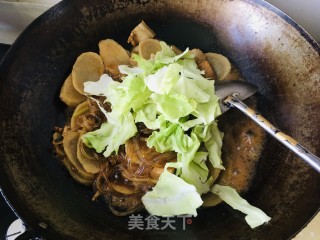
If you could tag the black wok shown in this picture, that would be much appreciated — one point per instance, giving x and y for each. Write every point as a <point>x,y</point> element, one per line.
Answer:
<point>271,51</point>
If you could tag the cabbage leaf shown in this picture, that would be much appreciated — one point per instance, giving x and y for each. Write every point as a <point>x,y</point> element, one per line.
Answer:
<point>172,196</point>
<point>255,216</point>
<point>109,137</point>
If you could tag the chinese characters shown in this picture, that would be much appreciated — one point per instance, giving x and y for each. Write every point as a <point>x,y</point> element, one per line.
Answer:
<point>151,222</point>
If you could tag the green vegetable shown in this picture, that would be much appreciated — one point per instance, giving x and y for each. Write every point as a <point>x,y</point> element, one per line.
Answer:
<point>169,95</point>
<point>111,136</point>
<point>255,217</point>
<point>172,196</point>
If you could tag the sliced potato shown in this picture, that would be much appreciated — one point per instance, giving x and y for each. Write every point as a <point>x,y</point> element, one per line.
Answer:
<point>210,199</point>
<point>176,50</point>
<point>220,64</point>
<point>148,47</point>
<point>214,172</point>
<point>88,67</point>
<point>70,141</point>
<point>123,189</point>
<point>69,95</point>
<point>81,109</point>
<point>234,74</point>
<point>113,55</point>
<point>140,33</point>
<point>89,165</point>
<point>75,174</point>
<point>135,50</point>
<point>114,70</point>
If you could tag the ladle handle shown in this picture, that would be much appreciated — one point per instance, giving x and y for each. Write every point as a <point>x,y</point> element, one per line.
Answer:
<point>289,142</point>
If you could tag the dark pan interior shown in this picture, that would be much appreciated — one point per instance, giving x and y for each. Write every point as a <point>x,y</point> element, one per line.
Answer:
<point>271,52</point>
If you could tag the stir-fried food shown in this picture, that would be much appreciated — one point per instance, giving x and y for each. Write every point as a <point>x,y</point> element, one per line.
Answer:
<point>144,129</point>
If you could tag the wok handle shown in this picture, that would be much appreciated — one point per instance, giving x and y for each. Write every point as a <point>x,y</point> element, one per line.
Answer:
<point>289,142</point>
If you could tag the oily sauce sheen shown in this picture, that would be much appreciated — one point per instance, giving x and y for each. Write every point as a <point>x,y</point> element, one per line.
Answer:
<point>242,145</point>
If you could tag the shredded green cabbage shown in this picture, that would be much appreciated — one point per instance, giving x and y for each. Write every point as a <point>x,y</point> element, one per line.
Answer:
<point>169,95</point>
<point>255,216</point>
<point>110,136</point>
<point>172,196</point>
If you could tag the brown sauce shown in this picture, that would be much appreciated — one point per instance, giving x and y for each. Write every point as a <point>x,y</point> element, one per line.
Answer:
<point>242,145</point>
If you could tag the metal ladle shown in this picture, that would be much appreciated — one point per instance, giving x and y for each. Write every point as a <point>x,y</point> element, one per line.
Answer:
<point>232,93</point>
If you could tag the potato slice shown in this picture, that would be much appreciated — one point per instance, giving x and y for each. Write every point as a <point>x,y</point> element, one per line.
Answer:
<point>214,172</point>
<point>148,47</point>
<point>220,64</point>
<point>234,74</point>
<point>88,67</point>
<point>123,189</point>
<point>176,50</point>
<point>69,95</point>
<point>140,33</point>
<point>210,199</point>
<point>81,109</point>
<point>135,50</point>
<point>75,174</point>
<point>113,55</point>
<point>70,142</point>
<point>89,165</point>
